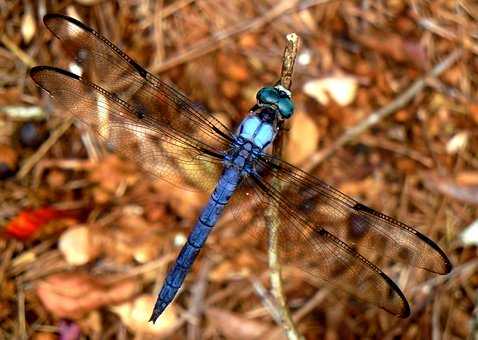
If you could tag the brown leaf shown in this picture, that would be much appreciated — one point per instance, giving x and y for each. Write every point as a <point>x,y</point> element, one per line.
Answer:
<point>77,246</point>
<point>135,314</point>
<point>44,336</point>
<point>452,188</point>
<point>298,147</point>
<point>28,25</point>
<point>460,322</point>
<point>130,238</point>
<point>233,326</point>
<point>467,178</point>
<point>71,295</point>
<point>233,68</point>
<point>112,173</point>
<point>395,46</point>
<point>473,107</point>
<point>341,88</point>
<point>186,203</point>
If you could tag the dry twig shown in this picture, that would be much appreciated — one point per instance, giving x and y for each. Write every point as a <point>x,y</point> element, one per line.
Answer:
<point>288,61</point>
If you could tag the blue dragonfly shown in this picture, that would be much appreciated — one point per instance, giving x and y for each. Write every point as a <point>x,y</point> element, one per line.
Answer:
<point>322,231</point>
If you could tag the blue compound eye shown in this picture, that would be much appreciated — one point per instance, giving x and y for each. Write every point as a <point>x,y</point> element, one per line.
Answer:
<point>286,107</point>
<point>268,95</point>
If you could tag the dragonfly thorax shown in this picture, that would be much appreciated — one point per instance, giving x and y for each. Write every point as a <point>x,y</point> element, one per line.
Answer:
<point>259,128</point>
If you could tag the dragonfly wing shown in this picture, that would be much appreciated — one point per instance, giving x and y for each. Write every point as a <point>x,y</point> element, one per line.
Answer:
<point>104,64</point>
<point>369,232</point>
<point>315,250</point>
<point>157,148</point>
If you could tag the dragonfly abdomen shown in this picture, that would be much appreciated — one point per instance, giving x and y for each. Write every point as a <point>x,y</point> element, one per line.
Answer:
<point>228,182</point>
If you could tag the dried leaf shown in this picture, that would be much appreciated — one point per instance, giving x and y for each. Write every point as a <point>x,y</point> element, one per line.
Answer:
<point>233,326</point>
<point>72,295</point>
<point>23,112</point>
<point>28,26</point>
<point>450,187</point>
<point>473,107</point>
<point>467,178</point>
<point>113,173</point>
<point>88,2</point>
<point>341,88</point>
<point>77,247</point>
<point>369,187</point>
<point>469,236</point>
<point>457,143</point>
<point>240,266</point>
<point>44,336</point>
<point>298,147</point>
<point>233,68</point>
<point>136,313</point>
<point>395,46</point>
<point>186,203</point>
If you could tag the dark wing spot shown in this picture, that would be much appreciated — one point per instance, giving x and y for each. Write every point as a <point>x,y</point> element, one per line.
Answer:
<point>140,110</point>
<point>308,205</point>
<point>358,227</point>
<point>405,255</point>
<point>338,269</point>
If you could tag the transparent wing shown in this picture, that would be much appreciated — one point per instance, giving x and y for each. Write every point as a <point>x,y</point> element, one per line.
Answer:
<point>105,65</point>
<point>367,231</point>
<point>158,148</point>
<point>315,250</point>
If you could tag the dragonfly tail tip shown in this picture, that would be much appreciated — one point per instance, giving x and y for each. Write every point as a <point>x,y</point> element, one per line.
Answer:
<point>158,309</point>
<point>153,317</point>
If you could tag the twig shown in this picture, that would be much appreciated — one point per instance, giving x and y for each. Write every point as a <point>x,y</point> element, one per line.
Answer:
<point>308,307</point>
<point>196,306</point>
<point>25,58</point>
<point>272,218</point>
<point>474,322</point>
<point>22,325</point>
<point>288,60</point>
<point>377,116</point>
<point>268,301</point>
<point>436,330</point>
<point>174,7</point>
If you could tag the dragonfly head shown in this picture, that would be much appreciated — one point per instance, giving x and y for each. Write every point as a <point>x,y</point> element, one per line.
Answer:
<point>274,105</point>
<point>277,97</point>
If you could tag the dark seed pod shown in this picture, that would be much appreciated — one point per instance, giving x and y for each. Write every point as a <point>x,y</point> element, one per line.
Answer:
<point>8,161</point>
<point>32,135</point>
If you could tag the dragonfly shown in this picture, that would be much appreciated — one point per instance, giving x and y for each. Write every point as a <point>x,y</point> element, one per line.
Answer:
<point>321,230</point>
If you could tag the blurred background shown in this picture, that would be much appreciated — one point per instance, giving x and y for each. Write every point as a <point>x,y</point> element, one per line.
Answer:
<point>87,238</point>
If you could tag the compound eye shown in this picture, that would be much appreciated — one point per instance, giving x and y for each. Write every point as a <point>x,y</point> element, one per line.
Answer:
<point>268,95</point>
<point>286,107</point>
